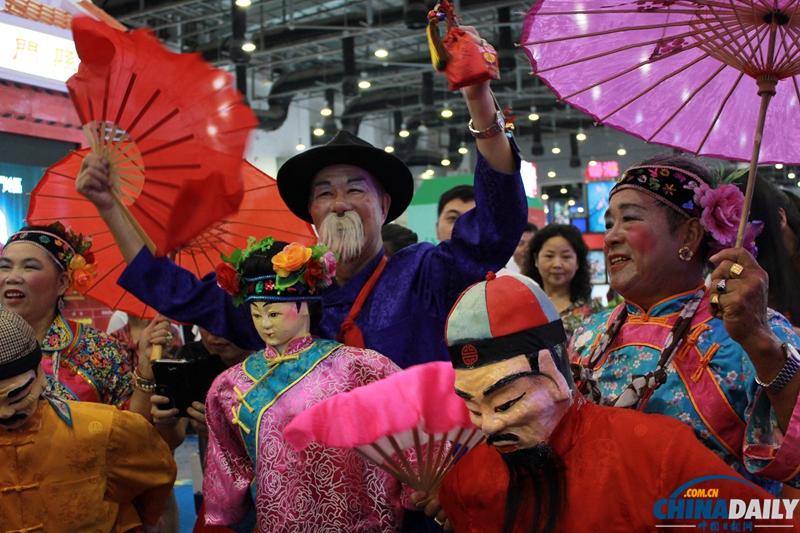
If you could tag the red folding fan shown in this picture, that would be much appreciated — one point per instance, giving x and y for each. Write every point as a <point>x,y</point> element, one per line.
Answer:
<point>172,127</point>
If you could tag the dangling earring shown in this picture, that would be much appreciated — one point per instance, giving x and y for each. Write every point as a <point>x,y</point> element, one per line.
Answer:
<point>685,254</point>
<point>61,304</point>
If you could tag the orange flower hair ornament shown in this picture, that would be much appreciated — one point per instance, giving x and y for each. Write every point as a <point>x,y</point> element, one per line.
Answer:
<point>298,272</point>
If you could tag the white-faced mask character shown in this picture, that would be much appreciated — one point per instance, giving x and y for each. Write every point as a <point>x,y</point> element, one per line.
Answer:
<point>22,379</point>
<point>506,344</point>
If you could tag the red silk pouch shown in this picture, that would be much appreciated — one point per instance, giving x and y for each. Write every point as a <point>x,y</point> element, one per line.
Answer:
<point>457,55</point>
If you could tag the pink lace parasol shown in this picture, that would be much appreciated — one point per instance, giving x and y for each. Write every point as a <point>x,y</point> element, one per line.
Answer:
<point>414,410</point>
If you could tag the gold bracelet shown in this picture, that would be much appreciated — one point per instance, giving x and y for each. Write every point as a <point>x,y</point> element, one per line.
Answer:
<point>142,383</point>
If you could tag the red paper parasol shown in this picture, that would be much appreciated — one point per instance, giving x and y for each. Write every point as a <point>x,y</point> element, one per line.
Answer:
<point>697,75</point>
<point>262,212</point>
<point>173,128</point>
<point>415,409</point>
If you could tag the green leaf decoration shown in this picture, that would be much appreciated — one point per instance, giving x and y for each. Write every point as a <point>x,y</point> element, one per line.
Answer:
<point>734,176</point>
<point>294,277</point>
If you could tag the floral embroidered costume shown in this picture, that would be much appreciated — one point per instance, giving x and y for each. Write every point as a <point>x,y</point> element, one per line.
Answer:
<point>85,364</point>
<point>81,363</point>
<point>677,359</point>
<point>254,478</point>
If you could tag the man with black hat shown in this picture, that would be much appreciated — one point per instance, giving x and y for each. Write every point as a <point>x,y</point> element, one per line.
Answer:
<point>71,466</point>
<point>349,189</point>
<point>553,461</point>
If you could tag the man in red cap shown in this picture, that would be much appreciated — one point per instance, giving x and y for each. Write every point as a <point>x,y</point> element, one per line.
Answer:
<point>554,462</point>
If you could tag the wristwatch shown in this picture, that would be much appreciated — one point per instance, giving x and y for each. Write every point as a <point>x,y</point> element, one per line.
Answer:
<point>788,371</point>
<point>491,131</point>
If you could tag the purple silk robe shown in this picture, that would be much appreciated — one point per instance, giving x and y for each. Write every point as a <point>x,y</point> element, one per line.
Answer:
<point>404,316</point>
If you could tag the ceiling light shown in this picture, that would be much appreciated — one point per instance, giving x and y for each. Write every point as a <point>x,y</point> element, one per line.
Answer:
<point>326,111</point>
<point>580,210</point>
<point>791,175</point>
<point>563,190</point>
<point>546,209</point>
<point>545,196</point>
<point>778,166</point>
<point>447,112</point>
<point>300,146</point>
<point>381,51</point>
<point>319,131</point>
<point>243,3</point>
<point>592,163</point>
<point>798,183</point>
<point>445,162</point>
<point>581,136</point>
<point>555,149</point>
<point>621,150</point>
<point>551,174</point>
<point>403,131</point>
<point>463,150</point>
<point>248,46</point>
<point>571,202</point>
<point>534,116</point>
<point>364,83</point>
<point>389,149</point>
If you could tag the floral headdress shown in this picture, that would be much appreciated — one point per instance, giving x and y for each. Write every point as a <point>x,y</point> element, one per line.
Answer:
<point>72,255</point>
<point>719,209</point>
<point>298,272</point>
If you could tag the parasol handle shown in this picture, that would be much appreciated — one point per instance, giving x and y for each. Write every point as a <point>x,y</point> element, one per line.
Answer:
<point>766,88</point>
<point>135,223</point>
<point>155,352</point>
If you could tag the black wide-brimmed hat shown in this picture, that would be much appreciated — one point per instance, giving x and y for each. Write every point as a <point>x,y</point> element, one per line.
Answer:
<point>296,175</point>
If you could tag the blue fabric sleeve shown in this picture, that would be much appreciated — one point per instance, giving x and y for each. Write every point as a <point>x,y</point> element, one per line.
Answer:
<point>483,239</point>
<point>178,294</point>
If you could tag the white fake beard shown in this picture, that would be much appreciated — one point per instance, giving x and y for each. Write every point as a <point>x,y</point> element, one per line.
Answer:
<point>343,235</point>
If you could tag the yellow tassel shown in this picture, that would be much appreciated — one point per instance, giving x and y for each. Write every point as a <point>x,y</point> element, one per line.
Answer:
<point>439,54</point>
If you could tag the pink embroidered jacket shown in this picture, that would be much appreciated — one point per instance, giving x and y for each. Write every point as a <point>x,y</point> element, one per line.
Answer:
<point>319,489</point>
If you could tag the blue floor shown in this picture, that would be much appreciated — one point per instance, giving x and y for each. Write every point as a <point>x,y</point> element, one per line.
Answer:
<point>185,497</point>
<point>183,485</point>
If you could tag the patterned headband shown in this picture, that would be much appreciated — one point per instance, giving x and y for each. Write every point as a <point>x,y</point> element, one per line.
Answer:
<point>72,255</point>
<point>719,209</point>
<point>297,272</point>
<point>58,249</point>
<point>672,186</point>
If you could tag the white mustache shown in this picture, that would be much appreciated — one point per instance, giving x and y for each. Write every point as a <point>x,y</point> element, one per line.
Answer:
<point>344,235</point>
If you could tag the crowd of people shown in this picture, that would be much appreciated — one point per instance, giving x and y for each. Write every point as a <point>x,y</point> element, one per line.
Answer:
<point>593,417</point>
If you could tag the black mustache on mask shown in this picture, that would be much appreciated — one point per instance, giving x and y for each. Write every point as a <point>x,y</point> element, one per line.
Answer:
<point>502,437</point>
<point>13,418</point>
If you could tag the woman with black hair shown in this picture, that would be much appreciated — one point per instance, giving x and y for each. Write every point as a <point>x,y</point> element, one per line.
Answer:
<point>39,264</point>
<point>778,242</point>
<point>558,262</point>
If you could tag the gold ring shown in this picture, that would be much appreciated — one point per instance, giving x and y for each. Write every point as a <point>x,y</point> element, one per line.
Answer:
<point>436,519</point>
<point>736,270</point>
<point>715,301</point>
<point>169,337</point>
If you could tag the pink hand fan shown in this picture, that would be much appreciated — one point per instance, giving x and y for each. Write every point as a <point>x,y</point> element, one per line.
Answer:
<point>413,410</point>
